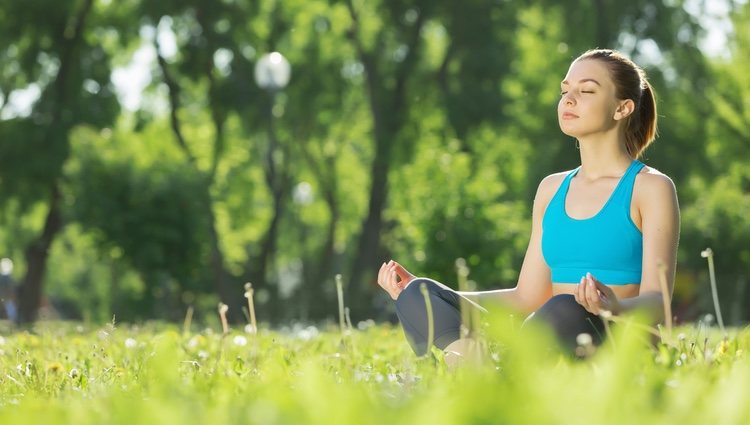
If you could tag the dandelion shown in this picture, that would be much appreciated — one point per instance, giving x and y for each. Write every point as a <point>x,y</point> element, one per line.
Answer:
<point>188,320</point>
<point>240,341</point>
<point>365,324</point>
<point>430,323</point>
<point>251,307</point>
<point>308,333</point>
<point>585,345</point>
<point>340,294</point>
<point>250,329</point>
<point>130,343</point>
<point>223,308</point>
<point>584,339</point>
<point>709,255</point>
<point>723,346</point>
<point>194,341</point>
<point>54,367</point>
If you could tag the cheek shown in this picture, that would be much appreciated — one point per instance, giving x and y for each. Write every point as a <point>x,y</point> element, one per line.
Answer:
<point>560,105</point>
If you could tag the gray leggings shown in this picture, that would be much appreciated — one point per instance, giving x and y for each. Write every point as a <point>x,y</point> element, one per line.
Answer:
<point>561,313</point>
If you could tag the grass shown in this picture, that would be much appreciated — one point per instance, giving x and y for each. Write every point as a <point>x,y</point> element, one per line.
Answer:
<point>156,373</point>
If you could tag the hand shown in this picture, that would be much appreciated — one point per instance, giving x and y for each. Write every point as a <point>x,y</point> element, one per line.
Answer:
<point>595,296</point>
<point>394,278</point>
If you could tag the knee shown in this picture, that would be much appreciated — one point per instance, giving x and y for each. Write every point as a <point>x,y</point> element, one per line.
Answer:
<point>556,307</point>
<point>413,290</point>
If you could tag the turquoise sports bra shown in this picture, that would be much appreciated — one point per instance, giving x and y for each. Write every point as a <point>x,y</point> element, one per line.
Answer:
<point>608,245</point>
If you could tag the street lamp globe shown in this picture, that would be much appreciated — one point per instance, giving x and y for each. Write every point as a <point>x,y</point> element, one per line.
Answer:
<point>272,71</point>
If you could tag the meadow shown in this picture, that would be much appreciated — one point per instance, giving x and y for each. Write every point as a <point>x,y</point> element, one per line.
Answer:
<point>61,372</point>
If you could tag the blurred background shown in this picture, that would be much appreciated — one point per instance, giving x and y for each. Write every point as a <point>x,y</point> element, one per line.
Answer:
<point>158,155</point>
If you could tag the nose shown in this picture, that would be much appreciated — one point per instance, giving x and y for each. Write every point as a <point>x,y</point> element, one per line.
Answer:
<point>568,99</point>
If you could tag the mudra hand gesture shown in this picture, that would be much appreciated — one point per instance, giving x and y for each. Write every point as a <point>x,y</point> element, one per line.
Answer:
<point>393,277</point>
<point>595,296</point>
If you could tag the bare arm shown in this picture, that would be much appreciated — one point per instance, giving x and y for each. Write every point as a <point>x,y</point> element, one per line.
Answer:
<point>534,285</point>
<point>661,233</point>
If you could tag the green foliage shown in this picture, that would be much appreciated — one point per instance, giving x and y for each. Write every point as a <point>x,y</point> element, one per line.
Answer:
<point>62,373</point>
<point>455,99</point>
<point>154,213</point>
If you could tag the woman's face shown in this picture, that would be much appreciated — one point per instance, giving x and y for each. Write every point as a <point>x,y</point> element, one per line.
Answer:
<point>588,104</point>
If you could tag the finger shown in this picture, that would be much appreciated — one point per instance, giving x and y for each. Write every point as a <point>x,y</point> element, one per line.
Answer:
<point>577,290</point>
<point>394,278</point>
<point>592,297</point>
<point>580,293</point>
<point>402,273</point>
<point>583,294</point>
<point>381,274</point>
<point>401,268</point>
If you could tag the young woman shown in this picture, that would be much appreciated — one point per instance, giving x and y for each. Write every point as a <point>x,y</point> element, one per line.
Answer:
<point>598,232</point>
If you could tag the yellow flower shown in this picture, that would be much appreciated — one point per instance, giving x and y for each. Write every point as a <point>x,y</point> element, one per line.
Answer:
<point>54,367</point>
<point>723,346</point>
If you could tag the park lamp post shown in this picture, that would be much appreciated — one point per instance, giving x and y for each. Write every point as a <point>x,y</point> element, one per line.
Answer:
<point>272,72</point>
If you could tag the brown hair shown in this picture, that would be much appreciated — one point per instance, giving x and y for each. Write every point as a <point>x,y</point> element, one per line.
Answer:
<point>631,83</point>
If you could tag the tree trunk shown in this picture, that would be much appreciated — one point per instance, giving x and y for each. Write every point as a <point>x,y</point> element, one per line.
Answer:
<point>30,292</point>
<point>37,252</point>
<point>322,282</point>
<point>360,286</point>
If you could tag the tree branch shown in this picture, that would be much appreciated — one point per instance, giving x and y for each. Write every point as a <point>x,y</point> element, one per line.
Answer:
<point>174,103</point>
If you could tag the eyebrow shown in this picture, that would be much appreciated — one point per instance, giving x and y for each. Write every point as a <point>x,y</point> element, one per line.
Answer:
<point>582,81</point>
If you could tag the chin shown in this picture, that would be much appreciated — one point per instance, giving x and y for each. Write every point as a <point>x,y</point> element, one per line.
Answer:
<point>568,131</point>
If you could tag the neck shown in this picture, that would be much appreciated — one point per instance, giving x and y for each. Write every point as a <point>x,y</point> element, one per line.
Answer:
<point>603,155</point>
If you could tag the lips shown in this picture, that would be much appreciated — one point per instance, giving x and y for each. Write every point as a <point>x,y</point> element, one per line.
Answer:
<point>569,116</point>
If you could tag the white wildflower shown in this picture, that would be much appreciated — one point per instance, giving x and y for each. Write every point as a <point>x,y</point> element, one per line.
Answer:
<point>240,341</point>
<point>365,324</point>
<point>73,373</point>
<point>131,343</point>
<point>193,342</point>
<point>584,339</point>
<point>308,333</point>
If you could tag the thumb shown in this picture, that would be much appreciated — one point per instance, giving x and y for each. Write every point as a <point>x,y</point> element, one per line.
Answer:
<point>402,272</point>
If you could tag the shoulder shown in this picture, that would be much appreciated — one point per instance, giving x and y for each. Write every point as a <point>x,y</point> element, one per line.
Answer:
<point>547,189</point>
<point>651,183</point>
<point>549,185</point>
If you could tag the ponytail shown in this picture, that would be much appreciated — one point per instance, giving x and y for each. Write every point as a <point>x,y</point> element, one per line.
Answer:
<point>641,127</point>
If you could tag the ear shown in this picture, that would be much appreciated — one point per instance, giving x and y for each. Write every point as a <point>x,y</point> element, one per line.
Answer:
<point>624,109</point>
